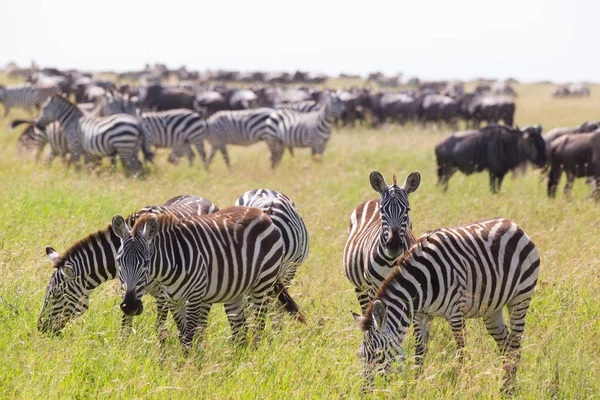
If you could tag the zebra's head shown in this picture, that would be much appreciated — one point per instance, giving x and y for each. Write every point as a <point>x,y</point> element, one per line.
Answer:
<point>51,110</point>
<point>334,104</point>
<point>134,259</point>
<point>66,294</point>
<point>381,347</point>
<point>394,210</point>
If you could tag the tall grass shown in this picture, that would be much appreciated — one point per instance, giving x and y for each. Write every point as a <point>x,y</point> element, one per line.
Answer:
<point>54,206</point>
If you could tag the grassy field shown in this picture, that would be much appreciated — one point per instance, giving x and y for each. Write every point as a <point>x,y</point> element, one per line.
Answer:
<point>55,206</point>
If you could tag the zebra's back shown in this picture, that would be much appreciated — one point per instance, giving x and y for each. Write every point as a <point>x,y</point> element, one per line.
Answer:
<point>243,127</point>
<point>173,127</point>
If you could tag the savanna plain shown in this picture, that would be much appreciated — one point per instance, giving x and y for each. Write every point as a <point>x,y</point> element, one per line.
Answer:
<point>54,206</point>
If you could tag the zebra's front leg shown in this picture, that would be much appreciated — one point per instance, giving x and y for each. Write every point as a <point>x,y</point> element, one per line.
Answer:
<point>457,324</point>
<point>496,327</point>
<point>237,320</point>
<point>162,311</point>
<point>422,323</point>
<point>213,151</point>
<point>225,155</point>
<point>276,148</point>
<point>195,320</point>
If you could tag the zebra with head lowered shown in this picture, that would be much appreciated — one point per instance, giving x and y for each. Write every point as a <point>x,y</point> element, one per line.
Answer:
<point>24,96</point>
<point>470,271</point>
<point>282,211</point>
<point>95,137</point>
<point>52,134</point>
<point>223,257</point>
<point>379,232</point>
<point>92,261</point>
<point>243,128</point>
<point>176,129</point>
<point>312,129</point>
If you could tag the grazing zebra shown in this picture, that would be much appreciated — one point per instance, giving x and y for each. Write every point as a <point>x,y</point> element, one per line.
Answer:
<point>471,271</point>
<point>96,136</point>
<point>92,261</point>
<point>301,106</point>
<point>24,96</point>
<point>312,129</point>
<point>36,138</point>
<point>282,211</point>
<point>176,129</point>
<point>379,232</point>
<point>243,128</point>
<point>218,258</point>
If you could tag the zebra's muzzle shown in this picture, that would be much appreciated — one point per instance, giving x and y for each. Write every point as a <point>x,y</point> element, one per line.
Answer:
<point>131,305</point>
<point>394,243</point>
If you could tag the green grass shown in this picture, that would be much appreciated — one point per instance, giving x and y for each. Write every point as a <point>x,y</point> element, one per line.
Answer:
<point>40,206</point>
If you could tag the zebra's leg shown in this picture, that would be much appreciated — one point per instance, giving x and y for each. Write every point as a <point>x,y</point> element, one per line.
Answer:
<point>569,185</point>
<point>213,151</point>
<point>190,154</point>
<point>496,327</point>
<point>457,324</point>
<point>162,311</point>
<point>260,301</point>
<point>291,149</point>
<point>126,324</point>
<point>421,329</point>
<point>237,320</point>
<point>195,319</point>
<point>6,110</point>
<point>199,144</point>
<point>517,310</point>
<point>225,156</point>
<point>363,297</point>
<point>276,148</point>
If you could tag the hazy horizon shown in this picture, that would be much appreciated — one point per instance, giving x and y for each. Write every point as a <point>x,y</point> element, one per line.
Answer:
<point>529,41</point>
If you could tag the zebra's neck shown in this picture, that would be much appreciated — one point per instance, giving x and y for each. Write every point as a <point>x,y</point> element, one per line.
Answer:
<point>326,117</point>
<point>69,115</point>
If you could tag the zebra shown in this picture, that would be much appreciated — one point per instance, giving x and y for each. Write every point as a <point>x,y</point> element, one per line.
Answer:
<point>379,232</point>
<point>96,136</point>
<point>24,96</point>
<point>282,211</point>
<point>176,129</point>
<point>470,271</point>
<point>311,129</point>
<point>52,134</point>
<point>243,128</point>
<point>301,106</point>
<point>92,261</point>
<point>218,258</point>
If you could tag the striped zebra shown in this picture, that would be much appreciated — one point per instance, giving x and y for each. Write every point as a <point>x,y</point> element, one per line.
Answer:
<point>282,211</point>
<point>243,128</point>
<point>300,106</point>
<point>379,232</point>
<point>312,129</point>
<point>35,138</point>
<point>176,129</point>
<point>471,271</point>
<point>223,257</point>
<point>117,135</point>
<point>92,261</point>
<point>24,96</point>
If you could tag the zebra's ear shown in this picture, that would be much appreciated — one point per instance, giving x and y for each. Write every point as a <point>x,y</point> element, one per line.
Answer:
<point>52,254</point>
<point>379,312</point>
<point>119,227</point>
<point>412,182</point>
<point>378,182</point>
<point>151,228</point>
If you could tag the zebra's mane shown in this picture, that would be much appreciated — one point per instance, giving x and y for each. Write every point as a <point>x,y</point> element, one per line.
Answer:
<point>63,99</point>
<point>164,219</point>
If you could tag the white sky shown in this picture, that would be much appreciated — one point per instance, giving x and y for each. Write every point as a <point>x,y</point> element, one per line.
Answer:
<point>431,39</point>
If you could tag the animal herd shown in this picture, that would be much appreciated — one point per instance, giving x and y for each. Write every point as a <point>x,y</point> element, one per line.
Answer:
<point>189,254</point>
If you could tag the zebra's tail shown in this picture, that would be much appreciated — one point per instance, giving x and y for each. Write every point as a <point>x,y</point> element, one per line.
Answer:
<point>288,302</point>
<point>18,122</point>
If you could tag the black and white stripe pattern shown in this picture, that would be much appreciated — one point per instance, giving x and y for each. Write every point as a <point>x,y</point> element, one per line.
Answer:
<point>34,138</point>
<point>471,271</point>
<point>117,135</point>
<point>284,214</point>
<point>243,128</point>
<point>218,258</point>
<point>24,96</point>
<point>301,106</point>
<point>378,234</point>
<point>175,129</point>
<point>92,261</point>
<point>312,129</point>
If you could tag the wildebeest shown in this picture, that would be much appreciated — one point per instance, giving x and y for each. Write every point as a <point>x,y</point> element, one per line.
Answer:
<point>159,98</point>
<point>490,109</point>
<point>578,154</point>
<point>496,148</point>
<point>438,108</point>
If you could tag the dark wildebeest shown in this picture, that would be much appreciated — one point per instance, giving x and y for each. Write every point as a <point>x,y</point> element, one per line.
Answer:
<point>438,108</point>
<point>159,98</point>
<point>496,148</point>
<point>578,154</point>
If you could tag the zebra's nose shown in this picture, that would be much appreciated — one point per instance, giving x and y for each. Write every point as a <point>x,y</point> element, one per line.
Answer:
<point>394,242</point>
<point>131,305</point>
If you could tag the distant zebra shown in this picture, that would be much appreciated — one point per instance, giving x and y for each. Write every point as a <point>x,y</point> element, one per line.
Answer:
<point>218,258</point>
<point>113,102</point>
<point>92,261</point>
<point>301,106</point>
<point>24,96</point>
<point>379,232</point>
<point>471,271</point>
<point>96,137</point>
<point>243,128</point>
<point>282,211</point>
<point>312,129</point>
<point>36,138</point>
<point>176,129</point>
